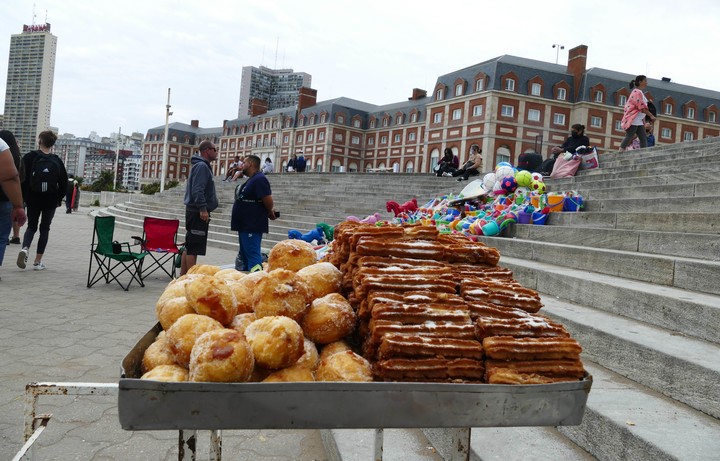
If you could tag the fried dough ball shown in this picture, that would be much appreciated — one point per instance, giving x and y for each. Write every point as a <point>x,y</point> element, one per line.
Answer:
<point>185,331</point>
<point>333,348</point>
<point>203,269</point>
<point>277,341</point>
<point>230,274</point>
<point>292,255</point>
<point>244,288</point>
<point>213,297</point>
<point>175,288</point>
<point>321,278</point>
<point>221,356</point>
<point>310,357</point>
<point>344,366</point>
<point>167,373</point>
<point>241,321</point>
<point>281,292</point>
<point>172,309</point>
<point>158,353</point>
<point>290,375</point>
<point>329,319</point>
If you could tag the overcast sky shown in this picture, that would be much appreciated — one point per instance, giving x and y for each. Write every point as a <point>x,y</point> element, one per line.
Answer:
<point>116,59</point>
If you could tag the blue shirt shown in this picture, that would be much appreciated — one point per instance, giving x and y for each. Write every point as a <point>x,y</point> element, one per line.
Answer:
<point>249,213</point>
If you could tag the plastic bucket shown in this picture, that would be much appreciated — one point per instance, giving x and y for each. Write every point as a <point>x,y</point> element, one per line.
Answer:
<point>490,229</point>
<point>574,203</point>
<point>539,218</point>
<point>555,202</point>
<point>535,200</point>
<point>524,218</point>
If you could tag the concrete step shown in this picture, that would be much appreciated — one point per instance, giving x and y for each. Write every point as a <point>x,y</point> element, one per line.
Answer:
<point>660,221</point>
<point>641,205</point>
<point>584,184</point>
<point>658,192</point>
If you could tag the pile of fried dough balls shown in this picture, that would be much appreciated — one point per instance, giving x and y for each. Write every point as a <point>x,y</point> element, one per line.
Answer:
<point>230,326</point>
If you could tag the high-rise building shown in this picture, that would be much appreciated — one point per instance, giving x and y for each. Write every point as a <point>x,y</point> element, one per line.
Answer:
<point>28,94</point>
<point>272,88</point>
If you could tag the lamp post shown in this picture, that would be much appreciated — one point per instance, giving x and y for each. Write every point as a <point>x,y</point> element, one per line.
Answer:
<point>165,146</point>
<point>117,158</point>
<point>558,47</point>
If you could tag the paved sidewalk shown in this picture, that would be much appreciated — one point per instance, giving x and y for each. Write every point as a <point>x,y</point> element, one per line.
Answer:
<point>53,328</point>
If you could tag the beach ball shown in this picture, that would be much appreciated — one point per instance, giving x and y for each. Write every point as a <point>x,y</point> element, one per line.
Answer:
<point>509,184</point>
<point>523,178</point>
<point>488,181</point>
<point>504,172</point>
<point>537,176</point>
<point>537,186</point>
<point>502,164</point>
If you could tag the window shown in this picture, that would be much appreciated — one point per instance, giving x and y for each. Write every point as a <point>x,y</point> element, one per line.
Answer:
<point>340,119</point>
<point>371,141</point>
<point>666,133</point>
<point>668,109</point>
<point>439,94</point>
<point>311,137</point>
<point>596,122</point>
<point>299,138</point>
<point>322,118</point>
<point>687,136</point>
<point>411,136</point>
<point>338,137</point>
<point>599,96</point>
<point>372,123</point>
<point>355,140</point>
<point>535,89</point>
<point>356,123</point>
<point>618,125</point>
<point>457,114</point>
<point>533,115</point>
<point>385,121</point>
<point>437,117</point>
<point>480,85</point>
<point>690,112</point>
<point>559,119</point>
<point>383,139</point>
<point>477,110</point>
<point>413,118</point>
<point>459,89</point>
<point>622,100</point>
<point>321,136</point>
<point>397,138</point>
<point>507,111</point>
<point>286,139</point>
<point>312,120</point>
<point>398,120</point>
<point>711,117</point>
<point>561,94</point>
<point>510,84</point>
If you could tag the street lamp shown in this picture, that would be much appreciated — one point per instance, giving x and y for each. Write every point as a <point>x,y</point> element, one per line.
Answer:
<point>117,158</point>
<point>557,54</point>
<point>165,146</point>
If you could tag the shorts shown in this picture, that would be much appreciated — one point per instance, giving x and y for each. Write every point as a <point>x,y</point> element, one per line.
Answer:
<point>197,232</point>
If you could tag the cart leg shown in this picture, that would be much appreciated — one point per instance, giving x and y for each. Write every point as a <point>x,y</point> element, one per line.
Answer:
<point>379,444</point>
<point>187,445</point>
<point>215,445</point>
<point>31,399</point>
<point>453,444</point>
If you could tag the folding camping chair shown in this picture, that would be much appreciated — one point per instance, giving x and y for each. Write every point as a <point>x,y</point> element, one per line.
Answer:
<point>159,240</point>
<point>113,259</point>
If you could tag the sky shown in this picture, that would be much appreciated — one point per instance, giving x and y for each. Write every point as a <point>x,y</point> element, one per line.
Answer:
<point>117,59</point>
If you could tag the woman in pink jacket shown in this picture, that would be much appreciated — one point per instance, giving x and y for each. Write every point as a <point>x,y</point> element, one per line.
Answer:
<point>636,108</point>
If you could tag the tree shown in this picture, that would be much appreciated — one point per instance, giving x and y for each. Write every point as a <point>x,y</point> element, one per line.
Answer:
<point>103,182</point>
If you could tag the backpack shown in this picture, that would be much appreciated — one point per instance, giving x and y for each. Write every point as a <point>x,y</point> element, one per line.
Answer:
<point>45,174</point>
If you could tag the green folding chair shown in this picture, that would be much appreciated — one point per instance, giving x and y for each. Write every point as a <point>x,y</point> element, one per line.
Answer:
<point>113,259</point>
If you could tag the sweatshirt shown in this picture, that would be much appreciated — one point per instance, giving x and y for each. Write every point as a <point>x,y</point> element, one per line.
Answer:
<point>200,189</point>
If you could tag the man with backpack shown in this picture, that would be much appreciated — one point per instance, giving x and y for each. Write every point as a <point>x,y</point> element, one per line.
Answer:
<point>43,189</point>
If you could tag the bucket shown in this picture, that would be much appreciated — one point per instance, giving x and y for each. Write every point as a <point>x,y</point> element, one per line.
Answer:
<point>574,203</point>
<point>490,229</point>
<point>539,218</point>
<point>555,202</point>
<point>524,218</point>
<point>535,200</point>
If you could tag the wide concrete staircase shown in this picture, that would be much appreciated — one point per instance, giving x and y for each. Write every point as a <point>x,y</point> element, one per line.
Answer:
<point>635,277</point>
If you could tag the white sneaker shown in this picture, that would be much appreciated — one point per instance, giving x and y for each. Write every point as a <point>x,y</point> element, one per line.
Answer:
<point>39,266</point>
<point>22,258</point>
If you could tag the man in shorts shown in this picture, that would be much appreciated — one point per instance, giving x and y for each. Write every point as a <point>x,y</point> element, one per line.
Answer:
<point>200,200</point>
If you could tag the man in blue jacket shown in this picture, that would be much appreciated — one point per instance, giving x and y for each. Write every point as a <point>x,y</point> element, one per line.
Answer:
<point>200,200</point>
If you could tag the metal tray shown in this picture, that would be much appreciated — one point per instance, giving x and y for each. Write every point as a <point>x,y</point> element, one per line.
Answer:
<point>153,405</point>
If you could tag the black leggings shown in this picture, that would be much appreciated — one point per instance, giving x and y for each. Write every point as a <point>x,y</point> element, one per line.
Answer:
<point>466,173</point>
<point>47,211</point>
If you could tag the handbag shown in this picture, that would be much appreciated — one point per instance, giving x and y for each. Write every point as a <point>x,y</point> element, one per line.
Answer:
<point>589,159</point>
<point>565,168</point>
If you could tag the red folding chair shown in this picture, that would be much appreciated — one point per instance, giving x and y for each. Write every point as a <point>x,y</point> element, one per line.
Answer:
<point>159,240</point>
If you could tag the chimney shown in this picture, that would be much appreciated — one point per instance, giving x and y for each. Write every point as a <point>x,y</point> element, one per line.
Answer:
<point>307,97</point>
<point>258,107</point>
<point>195,123</point>
<point>577,63</point>
<point>417,94</point>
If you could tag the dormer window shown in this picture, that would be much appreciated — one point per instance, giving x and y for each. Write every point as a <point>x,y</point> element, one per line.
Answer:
<point>510,85</point>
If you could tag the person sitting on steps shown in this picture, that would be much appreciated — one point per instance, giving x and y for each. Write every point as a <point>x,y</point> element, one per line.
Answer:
<point>472,167</point>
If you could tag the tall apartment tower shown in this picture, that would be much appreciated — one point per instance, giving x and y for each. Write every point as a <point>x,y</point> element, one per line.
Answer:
<point>278,87</point>
<point>28,94</point>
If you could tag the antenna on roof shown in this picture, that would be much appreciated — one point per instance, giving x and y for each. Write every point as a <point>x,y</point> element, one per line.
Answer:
<point>277,43</point>
<point>34,15</point>
<point>45,16</point>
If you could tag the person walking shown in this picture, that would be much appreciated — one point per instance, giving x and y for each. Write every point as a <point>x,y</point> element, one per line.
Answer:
<point>69,194</point>
<point>635,111</point>
<point>43,189</point>
<point>11,199</point>
<point>250,213</point>
<point>200,199</point>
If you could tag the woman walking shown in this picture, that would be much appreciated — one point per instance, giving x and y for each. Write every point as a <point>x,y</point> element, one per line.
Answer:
<point>636,108</point>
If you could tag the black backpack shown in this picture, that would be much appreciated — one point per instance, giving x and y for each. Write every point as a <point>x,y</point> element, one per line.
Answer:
<point>45,174</point>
